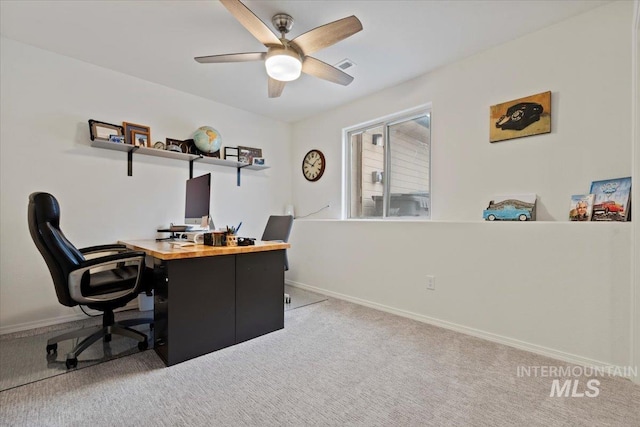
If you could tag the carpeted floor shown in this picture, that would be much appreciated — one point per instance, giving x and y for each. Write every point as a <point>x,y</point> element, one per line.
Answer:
<point>23,357</point>
<point>335,363</point>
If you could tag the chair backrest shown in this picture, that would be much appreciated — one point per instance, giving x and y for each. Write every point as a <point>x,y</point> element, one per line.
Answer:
<point>279,228</point>
<point>59,254</point>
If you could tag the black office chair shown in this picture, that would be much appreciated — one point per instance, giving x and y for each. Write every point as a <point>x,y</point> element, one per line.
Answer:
<point>279,228</point>
<point>118,281</point>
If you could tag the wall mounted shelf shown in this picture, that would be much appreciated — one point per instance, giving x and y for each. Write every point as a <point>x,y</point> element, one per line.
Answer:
<point>130,149</point>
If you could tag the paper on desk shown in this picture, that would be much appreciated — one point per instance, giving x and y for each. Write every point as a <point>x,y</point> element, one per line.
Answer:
<point>180,244</point>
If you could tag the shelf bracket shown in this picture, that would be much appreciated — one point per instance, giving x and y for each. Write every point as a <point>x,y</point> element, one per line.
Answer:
<point>191,166</point>
<point>238,175</point>
<point>130,161</point>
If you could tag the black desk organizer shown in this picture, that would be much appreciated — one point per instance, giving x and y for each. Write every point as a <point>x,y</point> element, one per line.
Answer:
<point>176,233</point>
<point>220,239</point>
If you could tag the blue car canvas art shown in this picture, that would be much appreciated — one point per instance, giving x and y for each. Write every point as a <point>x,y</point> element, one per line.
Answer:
<point>519,207</point>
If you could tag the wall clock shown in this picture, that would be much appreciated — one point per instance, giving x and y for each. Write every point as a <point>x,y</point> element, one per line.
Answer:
<point>313,165</point>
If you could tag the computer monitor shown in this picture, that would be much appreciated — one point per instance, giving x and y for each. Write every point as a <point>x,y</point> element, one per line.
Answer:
<point>198,199</point>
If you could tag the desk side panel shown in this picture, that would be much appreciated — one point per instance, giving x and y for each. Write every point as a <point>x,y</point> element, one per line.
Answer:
<point>259,294</point>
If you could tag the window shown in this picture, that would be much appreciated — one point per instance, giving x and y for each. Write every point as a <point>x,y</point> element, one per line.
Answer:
<point>389,165</point>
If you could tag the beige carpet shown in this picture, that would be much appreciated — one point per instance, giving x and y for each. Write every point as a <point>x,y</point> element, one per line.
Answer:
<point>335,363</point>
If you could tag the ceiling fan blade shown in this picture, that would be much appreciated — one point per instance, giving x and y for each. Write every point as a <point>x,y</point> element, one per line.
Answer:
<point>327,35</point>
<point>251,22</point>
<point>231,57</point>
<point>275,88</point>
<point>320,69</point>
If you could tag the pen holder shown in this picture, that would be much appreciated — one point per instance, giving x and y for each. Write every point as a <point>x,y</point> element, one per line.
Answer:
<point>232,240</point>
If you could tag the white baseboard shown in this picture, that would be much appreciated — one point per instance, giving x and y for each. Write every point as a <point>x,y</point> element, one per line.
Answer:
<point>521,345</point>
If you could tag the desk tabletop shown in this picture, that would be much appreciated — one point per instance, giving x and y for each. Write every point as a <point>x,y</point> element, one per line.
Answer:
<point>166,251</point>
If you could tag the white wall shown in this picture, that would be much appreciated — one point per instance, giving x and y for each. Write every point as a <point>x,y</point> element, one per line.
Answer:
<point>555,288</point>
<point>635,116</point>
<point>552,286</point>
<point>47,100</point>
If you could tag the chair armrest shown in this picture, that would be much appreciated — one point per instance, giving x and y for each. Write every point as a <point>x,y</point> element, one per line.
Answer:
<point>109,261</point>
<point>114,259</point>
<point>103,248</point>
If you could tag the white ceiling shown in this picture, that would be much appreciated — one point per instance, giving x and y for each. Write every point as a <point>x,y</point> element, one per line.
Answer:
<point>157,41</point>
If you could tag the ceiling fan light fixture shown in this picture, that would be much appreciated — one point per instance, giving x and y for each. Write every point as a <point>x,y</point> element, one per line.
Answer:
<point>283,64</point>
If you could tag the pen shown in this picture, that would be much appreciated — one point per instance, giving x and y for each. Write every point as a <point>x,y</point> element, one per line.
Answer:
<point>238,228</point>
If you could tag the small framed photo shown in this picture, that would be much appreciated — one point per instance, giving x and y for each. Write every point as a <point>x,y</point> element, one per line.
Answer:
<point>581,208</point>
<point>118,139</point>
<point>246,154</point>
<point>258,161</point>
<point>102,131</point>
<point>139,129</point>
<point>140,139</point>
<point>231,153</point>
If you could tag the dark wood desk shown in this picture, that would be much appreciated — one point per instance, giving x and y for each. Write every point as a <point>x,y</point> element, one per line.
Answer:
<point>208,297</point>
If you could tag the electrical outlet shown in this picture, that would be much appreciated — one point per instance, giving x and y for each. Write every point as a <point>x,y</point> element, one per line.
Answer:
<point>431,283</point>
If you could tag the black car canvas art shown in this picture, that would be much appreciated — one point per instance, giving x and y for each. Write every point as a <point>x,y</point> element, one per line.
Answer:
<point>520,117</point>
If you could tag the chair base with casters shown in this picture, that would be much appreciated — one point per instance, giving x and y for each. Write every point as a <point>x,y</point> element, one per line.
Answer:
<point>109,327</point>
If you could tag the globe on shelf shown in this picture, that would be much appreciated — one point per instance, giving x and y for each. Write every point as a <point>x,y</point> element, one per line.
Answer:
<point>207,139</point>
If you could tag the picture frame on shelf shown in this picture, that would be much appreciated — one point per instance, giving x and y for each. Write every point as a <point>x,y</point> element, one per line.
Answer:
<point>246,154</point>
<point>231,153</point>
<point>258,161</point>
<point>140,139</point>
<point>129,127</point>
<point>581,208</point>
<point>102,131</point>
<point>612,199</point>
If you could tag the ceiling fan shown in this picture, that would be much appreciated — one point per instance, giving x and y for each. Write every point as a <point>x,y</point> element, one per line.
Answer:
<point>286,59</point>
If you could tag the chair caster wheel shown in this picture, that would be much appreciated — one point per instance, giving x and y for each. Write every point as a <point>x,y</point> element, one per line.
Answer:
<point>71,363</point>
<point>52,348</point>
<point>142,346</point>
<point>287,299</point>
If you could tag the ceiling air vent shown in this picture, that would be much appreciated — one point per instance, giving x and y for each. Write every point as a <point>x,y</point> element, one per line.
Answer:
<point>345,64</point>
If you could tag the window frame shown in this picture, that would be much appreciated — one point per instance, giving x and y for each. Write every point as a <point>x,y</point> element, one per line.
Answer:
<point>385,122</point>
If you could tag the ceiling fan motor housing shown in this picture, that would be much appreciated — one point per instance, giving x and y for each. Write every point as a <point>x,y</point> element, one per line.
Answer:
<point>282,22</point>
